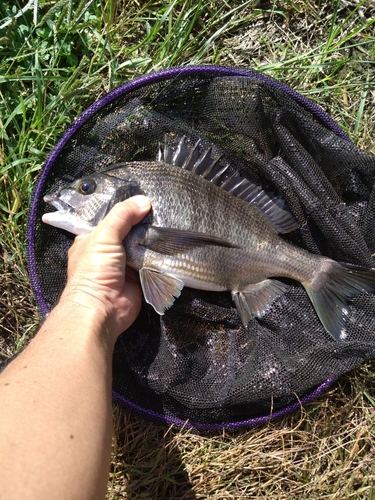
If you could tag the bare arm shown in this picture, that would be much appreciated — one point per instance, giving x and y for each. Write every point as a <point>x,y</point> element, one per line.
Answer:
<point>55,397</point>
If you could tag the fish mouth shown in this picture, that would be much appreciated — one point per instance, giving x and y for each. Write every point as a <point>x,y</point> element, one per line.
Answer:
<point>57,203</point>
<point>64,217</point>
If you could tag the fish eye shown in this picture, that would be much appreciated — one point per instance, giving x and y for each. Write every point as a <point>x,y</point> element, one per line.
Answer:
<point>87,186</point>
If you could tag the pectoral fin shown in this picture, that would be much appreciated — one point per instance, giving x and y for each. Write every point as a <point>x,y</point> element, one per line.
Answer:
<point>159,290</point>
<point>256,299</point>
<point>170,241</point>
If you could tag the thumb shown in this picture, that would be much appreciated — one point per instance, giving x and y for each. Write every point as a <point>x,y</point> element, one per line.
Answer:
<point>117,224</point>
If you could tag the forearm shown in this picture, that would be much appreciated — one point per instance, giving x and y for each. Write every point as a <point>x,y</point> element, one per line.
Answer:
<point>55,397</point>
<point>55,412</point>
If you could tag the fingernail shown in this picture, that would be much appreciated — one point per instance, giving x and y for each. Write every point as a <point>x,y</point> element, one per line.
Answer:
<point>141,201</point>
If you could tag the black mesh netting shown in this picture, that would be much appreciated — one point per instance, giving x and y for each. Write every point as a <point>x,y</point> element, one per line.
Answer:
<point>199,362</point>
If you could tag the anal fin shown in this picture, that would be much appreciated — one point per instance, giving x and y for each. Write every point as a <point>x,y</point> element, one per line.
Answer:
<point>256,299</point>
<point>160,290</point>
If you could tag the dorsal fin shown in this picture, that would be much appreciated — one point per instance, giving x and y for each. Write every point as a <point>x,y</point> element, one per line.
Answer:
<point>270,207</point>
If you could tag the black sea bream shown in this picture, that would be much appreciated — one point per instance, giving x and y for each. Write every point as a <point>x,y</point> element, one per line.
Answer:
<point>211,231</point>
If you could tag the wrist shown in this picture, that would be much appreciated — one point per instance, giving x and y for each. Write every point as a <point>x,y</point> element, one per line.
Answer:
<point>88,315</point>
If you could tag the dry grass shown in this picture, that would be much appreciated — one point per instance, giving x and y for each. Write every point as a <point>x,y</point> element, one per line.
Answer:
<point>326,54</point>
<point>325,450</point>
<point>18,314</point>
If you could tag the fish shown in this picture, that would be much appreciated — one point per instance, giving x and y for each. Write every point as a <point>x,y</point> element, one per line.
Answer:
<point>210,229</point>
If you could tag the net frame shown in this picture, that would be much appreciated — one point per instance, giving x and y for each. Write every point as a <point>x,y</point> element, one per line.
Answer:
<point>127,88</point>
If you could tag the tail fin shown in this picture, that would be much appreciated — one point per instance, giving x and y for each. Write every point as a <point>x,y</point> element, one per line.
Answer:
<point>332,290</point>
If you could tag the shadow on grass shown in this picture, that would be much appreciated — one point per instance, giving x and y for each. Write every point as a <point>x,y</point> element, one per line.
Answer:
<point>147,462</point>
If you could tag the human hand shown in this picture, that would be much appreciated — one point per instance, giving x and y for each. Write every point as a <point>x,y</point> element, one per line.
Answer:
<point>97,281</point>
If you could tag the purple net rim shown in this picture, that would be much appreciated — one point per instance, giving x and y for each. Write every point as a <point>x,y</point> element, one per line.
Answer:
<point>124,89</point>
<point>219,71</point>
<point>227,425</point>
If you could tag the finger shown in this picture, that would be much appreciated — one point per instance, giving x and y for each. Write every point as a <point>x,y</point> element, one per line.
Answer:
<point>132,274</point>
<point>77,244</point>
<point>123,216</point>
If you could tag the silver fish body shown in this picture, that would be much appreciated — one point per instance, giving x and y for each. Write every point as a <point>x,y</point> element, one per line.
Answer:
<point>204,236</point>
<point>255,250</point>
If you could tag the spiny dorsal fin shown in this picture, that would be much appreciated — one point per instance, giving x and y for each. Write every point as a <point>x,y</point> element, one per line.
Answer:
<point>270,207</point>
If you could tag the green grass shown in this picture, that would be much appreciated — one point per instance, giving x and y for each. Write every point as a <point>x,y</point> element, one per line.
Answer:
<point>56,58</point>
